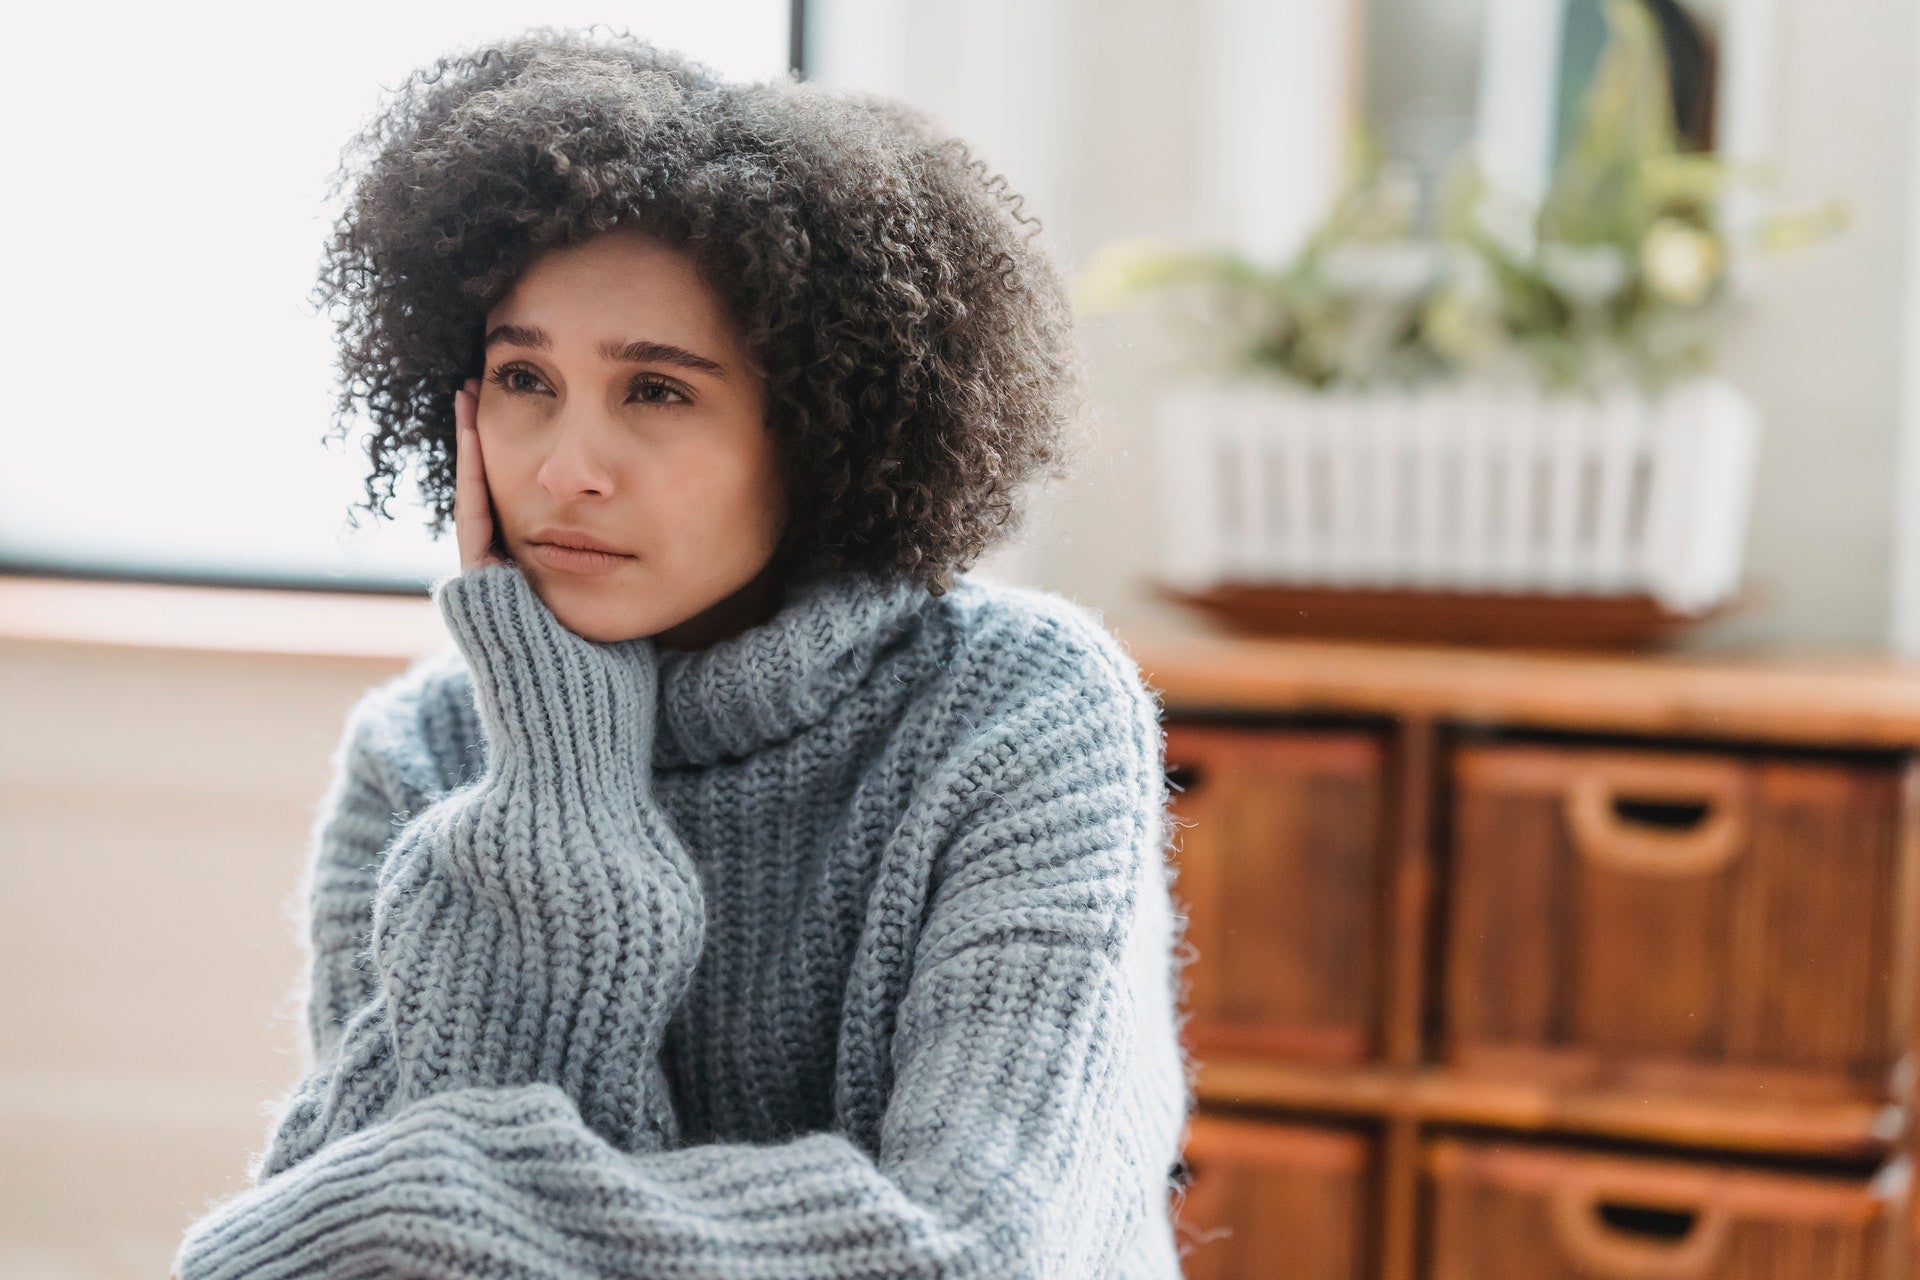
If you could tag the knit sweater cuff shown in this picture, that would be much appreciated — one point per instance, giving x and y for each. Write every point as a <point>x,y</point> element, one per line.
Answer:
<point>421,1192</point>
<point>546,695</point>
<point>315,1217</point>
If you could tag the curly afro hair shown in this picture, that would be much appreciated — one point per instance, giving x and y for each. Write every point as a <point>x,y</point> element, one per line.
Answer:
<point>917,343</point>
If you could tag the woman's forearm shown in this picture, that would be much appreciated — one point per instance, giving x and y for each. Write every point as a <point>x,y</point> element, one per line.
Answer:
<point>537,925</point>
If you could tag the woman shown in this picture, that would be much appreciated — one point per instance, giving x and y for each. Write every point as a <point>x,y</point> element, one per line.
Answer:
<point>749,890</point>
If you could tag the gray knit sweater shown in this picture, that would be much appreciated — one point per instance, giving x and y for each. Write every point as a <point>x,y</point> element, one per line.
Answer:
<point>844,947</point>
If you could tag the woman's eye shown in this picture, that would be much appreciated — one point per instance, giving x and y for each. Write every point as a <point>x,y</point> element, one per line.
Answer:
<point>519,380</point>
<point>505,377</point>
<point>649,391</point>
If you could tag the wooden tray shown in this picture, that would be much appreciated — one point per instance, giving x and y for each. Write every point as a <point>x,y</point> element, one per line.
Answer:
<point>1533,620</point>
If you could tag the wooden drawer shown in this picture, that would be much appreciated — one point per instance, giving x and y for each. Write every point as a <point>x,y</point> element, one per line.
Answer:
<point>1281,873</point>
<point>1514,1212</point>
<point>1275,1201</point>
<point>1674,920</point>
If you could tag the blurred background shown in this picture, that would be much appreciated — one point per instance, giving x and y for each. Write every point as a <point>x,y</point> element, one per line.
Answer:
<point>1324,205</point>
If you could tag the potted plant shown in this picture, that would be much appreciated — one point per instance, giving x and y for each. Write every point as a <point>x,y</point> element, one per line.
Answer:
<point>1521,407</point>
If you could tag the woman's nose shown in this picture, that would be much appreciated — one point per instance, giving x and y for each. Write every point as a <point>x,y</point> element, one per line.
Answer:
<point>575,463</point>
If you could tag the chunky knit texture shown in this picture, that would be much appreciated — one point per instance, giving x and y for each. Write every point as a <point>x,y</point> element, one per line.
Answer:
<point>844,947</point>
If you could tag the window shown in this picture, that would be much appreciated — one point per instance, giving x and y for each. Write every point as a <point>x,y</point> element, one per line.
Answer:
<point>169,413</point>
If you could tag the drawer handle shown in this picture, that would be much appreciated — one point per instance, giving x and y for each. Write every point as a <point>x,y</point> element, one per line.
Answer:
<point>1598,812</point>
<point>1183,777</point>
<point>1629,1236</point>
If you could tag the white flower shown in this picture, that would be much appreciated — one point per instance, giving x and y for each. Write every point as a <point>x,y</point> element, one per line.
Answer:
<point>1680,260</point>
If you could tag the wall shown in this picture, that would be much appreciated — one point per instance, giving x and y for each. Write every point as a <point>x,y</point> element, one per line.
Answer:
<point>154,818</point>
<point>1824,346</point>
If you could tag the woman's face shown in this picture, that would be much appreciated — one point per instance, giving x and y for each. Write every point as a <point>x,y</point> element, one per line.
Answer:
<point>618,404</point>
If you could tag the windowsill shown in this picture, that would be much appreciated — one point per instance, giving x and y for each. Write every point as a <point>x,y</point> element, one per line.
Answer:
<point>312,624</point>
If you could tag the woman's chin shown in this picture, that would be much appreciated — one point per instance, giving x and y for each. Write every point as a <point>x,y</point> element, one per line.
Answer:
<point>590,611</point>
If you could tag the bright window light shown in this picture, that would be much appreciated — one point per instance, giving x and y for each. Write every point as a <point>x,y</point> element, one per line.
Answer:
<point>169,412</point>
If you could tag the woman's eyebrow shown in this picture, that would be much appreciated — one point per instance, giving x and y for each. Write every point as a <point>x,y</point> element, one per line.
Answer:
<point>640,352</point>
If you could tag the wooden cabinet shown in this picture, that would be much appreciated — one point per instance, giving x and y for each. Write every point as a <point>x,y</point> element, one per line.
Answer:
<point>1674,920</point>
<point>1532,964</point>
<point>1263,1190</point>
<point>1294,930</point>
<point>1503,1211</point>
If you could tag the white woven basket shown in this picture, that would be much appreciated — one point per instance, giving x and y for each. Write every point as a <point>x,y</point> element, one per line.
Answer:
<point>1462,487</point>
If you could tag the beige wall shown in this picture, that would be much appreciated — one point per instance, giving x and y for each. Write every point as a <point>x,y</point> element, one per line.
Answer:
<point>154,810</point>
<point>1824,346</point>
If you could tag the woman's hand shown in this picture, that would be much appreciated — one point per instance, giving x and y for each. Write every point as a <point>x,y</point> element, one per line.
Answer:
<point>473,523</point>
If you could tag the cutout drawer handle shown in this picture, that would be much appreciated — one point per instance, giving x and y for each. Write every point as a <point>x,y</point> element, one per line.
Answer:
<point>1626,1235</point>
<point>1609,825</point>
<point>1183,777</point>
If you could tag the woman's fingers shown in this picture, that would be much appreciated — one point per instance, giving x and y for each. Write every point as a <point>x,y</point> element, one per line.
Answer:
<point>472,506</point>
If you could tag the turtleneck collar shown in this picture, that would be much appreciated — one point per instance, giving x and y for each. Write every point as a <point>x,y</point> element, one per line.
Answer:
<point>767,683</point>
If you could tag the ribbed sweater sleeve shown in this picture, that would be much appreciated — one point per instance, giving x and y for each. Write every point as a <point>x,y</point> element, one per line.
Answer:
<point>1016,1141</point>
<point>536,926</point>
<point>357,817</point>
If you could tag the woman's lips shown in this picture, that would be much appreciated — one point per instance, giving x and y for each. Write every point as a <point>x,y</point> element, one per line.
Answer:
<point>575,559</point>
